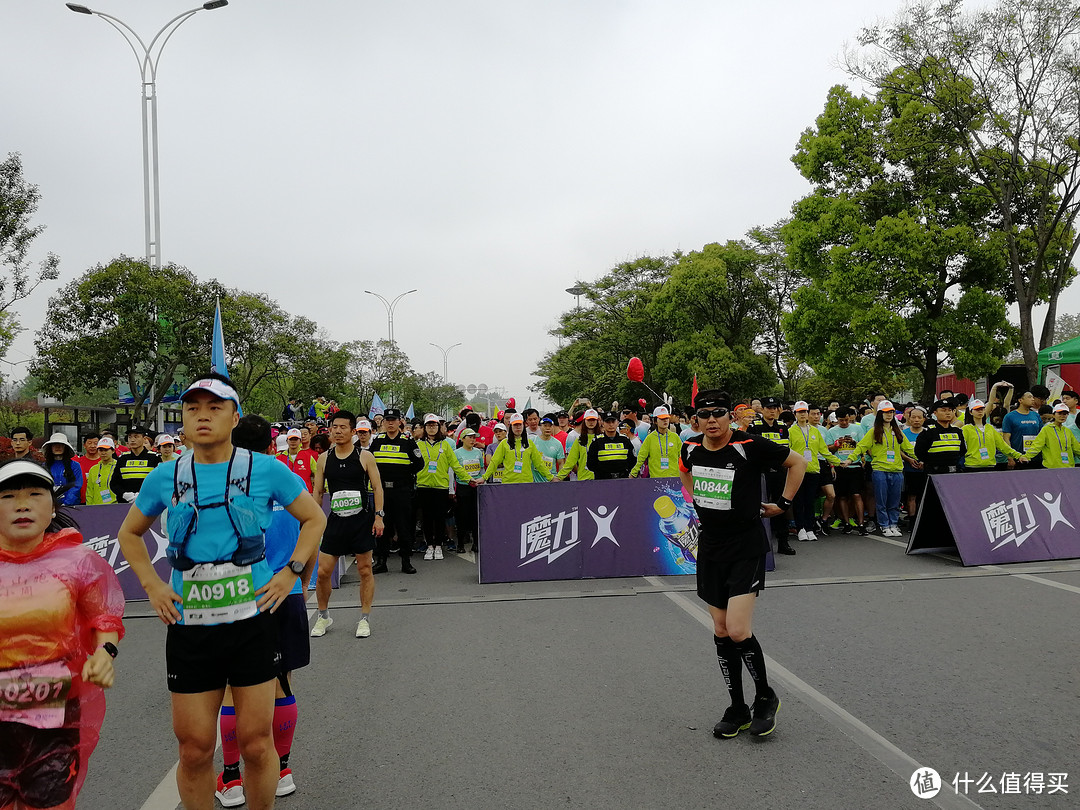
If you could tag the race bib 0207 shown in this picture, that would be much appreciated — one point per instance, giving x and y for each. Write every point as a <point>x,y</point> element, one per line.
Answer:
<point>712,487</point>
<point>35,695</point>
<point>218,593</point>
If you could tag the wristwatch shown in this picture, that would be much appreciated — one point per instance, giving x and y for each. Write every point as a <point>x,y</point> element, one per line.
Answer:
<point>380,513</point>
<point>296,566</point>
<point>110,648</point>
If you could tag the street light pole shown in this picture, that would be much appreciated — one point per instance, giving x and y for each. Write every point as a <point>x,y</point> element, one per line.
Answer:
<point>389,310</point>
<point>148,62</point>
<point>444,353</point>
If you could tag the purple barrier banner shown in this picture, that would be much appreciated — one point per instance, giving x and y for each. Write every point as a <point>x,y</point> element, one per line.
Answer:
<point>1001,517</point>
<point>99,525</point>
<point>585,529</point>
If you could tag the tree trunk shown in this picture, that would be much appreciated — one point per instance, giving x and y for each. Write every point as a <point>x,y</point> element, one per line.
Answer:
<point>1027,341</point>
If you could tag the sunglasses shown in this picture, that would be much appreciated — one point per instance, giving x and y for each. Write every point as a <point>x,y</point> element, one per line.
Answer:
<point>706,413</point>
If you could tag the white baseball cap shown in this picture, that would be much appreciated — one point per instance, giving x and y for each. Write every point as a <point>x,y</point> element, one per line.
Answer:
<point>363,424</point>
<point>498,426</point>
<point>516,417</point>
<point>431,418</point>
<point>1061,406</point>
<point>800,406</point>
<point>885,405</point>
<point>660,410</point>
<point>215,387</point>
<point>105,441</point>
<point>294,433</point>
<point>976,403</point>
<point>23,467</point>
<point>591,414</point>
<point>164,438</point>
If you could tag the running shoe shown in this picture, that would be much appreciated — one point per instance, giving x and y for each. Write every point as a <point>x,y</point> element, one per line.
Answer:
<point>285,784</point>
<point>736,719</point>
<point>363,630</point>
<point>803,537</point>
<point>429,554</point>
<point>846,529</point>
<point>438,552</point>
<point>765,709</point>
<point>824,529</point>
<point>811,537</point>
<point>785,548</point>
<point>321,626</point>
<point>836,523</point>
<point>872,526</point>
<point>230,795</point>
<point>862,531</point>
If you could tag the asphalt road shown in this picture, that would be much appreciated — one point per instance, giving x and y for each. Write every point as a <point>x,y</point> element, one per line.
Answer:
<point>603,693</point>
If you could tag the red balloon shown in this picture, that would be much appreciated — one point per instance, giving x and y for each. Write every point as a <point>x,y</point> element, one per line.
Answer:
<point>635,370</point>
<point>511,403</point>
<point>641,402</point>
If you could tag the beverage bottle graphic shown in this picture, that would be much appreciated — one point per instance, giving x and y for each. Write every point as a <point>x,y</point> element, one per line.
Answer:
<point>677,527</point>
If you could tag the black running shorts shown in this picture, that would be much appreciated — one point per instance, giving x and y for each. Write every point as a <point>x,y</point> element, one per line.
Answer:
<point>348,535</point>
<point>849,481</point>
<point>292,633</point>
<point>38,766</point>
<point>202,658</point>
<point>719,581</point>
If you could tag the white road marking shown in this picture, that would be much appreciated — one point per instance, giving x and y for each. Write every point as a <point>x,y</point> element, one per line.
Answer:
<point>865,737</point>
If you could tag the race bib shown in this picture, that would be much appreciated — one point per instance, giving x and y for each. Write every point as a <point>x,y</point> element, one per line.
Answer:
<point>1028,441</point>
<point>518,466</point>
<point>347,502</point>
<point>712,488</point>
<point>664,461</point>
<point>984,453</point>
<point>35,695</point>
<point>808,455</point>
<point>218,593</point>
<point>432,466</point>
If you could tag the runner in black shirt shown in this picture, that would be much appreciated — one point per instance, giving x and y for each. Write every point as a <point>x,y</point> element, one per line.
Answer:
<point>724,472</point>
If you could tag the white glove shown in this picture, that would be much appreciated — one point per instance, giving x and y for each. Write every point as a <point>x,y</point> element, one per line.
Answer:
<point>130,496</point>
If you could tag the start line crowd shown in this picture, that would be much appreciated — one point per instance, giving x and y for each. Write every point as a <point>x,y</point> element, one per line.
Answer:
<point>241,506</point>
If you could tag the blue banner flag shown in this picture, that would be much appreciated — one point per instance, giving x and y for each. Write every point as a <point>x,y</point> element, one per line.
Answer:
<point>377,406</point>
<point>409,413</point>
<point>217,349</point>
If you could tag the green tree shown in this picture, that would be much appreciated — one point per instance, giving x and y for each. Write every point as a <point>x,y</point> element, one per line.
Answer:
<point>18,204</point>
<point>899,246</point>
<point>1005,82</point>
<point>124,322</point>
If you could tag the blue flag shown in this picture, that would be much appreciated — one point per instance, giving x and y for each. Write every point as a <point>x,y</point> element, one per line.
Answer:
<point>217,345</point>
<point>409,413</point>
<point>377,406</point>
<point>217,349</point>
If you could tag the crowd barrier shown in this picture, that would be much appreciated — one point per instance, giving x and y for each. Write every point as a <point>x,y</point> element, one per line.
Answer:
<point>586,529</point>
<point>99,526</point>
<point>1000,517</point>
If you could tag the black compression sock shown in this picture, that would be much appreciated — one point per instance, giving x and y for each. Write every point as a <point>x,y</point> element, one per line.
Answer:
<point>727,656</point>
<point>231,773</point>
<point>284,762</point>
<point>754,658</point>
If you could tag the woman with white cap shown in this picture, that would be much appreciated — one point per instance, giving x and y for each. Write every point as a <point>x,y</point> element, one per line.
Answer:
<point>99,476</point>
<point>60,640</point>
<point>887,446</point>
<point>578,453</point>
<point>60,461</point>
<point>433,485</point>
<point>659,452</point>
<point>983,441</point>
<point>1056,442</point>
<point>807,441</point>
<point>517,456</point>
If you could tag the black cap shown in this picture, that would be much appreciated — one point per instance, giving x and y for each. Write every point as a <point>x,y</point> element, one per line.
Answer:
<point>392,413</point>
<point>944,403</point>
<point>137,429</point>
<point>960,399</point>
<point>771,402</point>
<point>611,416</point>
<point>562,414</point>
<point>712,399</point>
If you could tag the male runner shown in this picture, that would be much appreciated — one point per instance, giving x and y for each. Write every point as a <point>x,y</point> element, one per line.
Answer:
<point>399,460</point>
<point>221,631</point>
<point>723,471</point>
<point>351,528</point>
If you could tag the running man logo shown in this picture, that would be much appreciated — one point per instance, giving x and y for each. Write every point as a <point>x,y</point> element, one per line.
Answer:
<point>1014,521</point>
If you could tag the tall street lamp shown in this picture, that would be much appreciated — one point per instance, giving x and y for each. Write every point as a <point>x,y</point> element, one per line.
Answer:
<point>148,61</point>
<point>577,291</point>
<point>444,353</point>
<point>389,310</point>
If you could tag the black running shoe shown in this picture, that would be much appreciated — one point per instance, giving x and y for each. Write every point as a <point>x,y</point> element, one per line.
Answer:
<point>862,531</point>
<point>736,719</point>
<point>765,709</point>
<point>824,529</point>
<point>846,529</point>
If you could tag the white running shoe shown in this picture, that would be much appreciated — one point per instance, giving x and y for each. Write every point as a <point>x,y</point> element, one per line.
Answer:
<point>363,629</point>
<point>321,626</point>
<point>811,536</point>
<point>231,795</point>
<point>438,552</point>
<point>430,553</point>
<point>896,531</point>
<point>285,784</point>
<point>802,535</point>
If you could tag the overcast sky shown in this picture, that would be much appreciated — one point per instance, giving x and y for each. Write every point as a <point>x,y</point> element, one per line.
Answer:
<point>488,154</point>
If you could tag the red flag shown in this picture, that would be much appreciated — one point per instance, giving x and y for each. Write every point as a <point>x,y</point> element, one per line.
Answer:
<point>693,391</point>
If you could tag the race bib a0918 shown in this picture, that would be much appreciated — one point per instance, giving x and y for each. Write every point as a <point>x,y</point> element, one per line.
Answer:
<point>712,487</point>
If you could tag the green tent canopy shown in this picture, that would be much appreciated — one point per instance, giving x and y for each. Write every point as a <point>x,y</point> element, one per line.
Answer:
<point>1067,352</point>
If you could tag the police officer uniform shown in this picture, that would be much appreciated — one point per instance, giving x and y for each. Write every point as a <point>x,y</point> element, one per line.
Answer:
<point>611,457</point>
<point>940,448</point>
<point>777,432</point>
<point>398,460</point>
<point>132,468</point>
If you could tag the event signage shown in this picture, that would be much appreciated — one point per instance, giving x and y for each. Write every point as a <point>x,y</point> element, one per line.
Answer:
<point>621,528</point>
<point>100,525</point>
<point>1001,517</point>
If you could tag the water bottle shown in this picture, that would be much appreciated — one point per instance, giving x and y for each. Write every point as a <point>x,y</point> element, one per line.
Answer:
<point>677,527</point>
